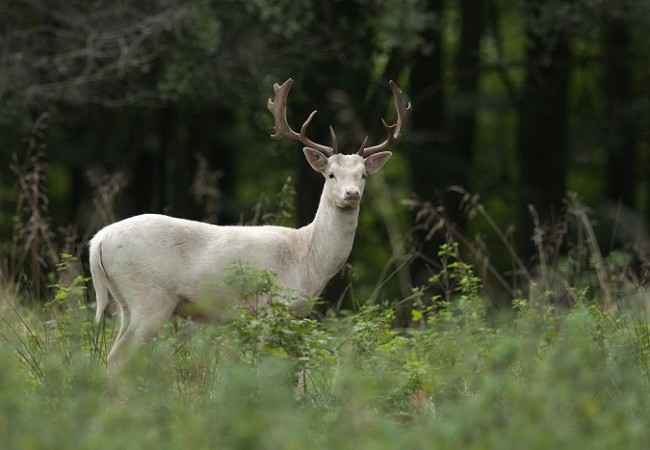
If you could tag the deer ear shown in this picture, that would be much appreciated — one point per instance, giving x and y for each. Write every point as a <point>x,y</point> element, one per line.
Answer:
<point>316,159</point>
<point>375,162</point>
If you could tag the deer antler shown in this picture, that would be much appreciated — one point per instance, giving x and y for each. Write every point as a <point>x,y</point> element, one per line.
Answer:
<point>282,129</point>
<point>394,131</point>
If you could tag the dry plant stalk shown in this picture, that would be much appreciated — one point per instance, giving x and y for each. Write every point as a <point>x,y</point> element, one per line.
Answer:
<point>33,240</point>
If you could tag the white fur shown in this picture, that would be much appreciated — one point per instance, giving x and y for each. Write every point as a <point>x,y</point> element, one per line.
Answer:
<point>155,266</point>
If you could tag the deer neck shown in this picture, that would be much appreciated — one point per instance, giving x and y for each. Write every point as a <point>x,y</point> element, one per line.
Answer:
<point>330,239</point>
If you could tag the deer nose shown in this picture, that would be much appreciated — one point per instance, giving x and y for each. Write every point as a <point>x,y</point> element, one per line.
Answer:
<point>352,193</point>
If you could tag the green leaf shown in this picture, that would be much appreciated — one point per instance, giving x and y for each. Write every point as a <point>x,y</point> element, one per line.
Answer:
<point>416,315</point>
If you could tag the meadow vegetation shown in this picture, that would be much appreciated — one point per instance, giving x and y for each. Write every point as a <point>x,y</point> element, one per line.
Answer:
<point>566,366</point>
<point>537,376</point>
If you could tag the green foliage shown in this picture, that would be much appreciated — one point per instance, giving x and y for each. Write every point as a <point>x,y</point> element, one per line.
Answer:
<point>540,377</point>
<point>271,328</point>
<point>396,16</point>
<point>63,326</point>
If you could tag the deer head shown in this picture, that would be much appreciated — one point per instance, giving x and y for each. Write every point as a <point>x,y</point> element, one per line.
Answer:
<point>345,175</point>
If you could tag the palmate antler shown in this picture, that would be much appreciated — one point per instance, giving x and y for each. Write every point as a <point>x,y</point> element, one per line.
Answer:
<point>278,108</point>
<point>282,129</point>
<point>394,131</point>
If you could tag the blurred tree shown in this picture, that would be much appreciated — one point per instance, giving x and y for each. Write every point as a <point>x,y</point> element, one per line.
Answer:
<point>82,53</point>
<point>151,72</point>
<point>619,120</point>
<point>463,128</point>
<point>544,113</point>
<point>428,159</point>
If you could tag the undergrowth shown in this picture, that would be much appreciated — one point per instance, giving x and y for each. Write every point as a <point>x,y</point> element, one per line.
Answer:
<point>566,366</point>
<point>537,376</point>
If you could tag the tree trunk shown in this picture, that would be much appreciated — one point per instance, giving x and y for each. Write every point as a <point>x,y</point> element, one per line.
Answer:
<point>543,120</point>
<point>463,110</point>
<point>620,123</point>
<point>428,141</point>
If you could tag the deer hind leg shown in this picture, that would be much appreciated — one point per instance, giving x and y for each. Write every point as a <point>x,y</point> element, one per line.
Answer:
<point>125,319</point>
<point>141,320</point>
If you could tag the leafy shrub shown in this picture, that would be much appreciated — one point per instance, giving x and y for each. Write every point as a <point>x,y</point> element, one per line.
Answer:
<point>538,377</point>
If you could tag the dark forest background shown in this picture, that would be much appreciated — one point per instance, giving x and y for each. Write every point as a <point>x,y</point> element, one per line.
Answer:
<point>527,115</point>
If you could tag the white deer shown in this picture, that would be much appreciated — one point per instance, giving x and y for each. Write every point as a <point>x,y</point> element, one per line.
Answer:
<point>156,267</point>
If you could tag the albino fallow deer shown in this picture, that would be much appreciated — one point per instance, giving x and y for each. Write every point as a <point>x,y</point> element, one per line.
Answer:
<point>156,267</point>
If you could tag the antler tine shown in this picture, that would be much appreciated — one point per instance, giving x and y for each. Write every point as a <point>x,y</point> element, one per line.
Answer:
<point>394,131</point>
<point>335,146</point>
<point>363,144</point>
<point>282,129</point>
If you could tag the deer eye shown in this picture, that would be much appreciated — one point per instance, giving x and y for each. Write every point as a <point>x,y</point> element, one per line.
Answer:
<point>331,175</point>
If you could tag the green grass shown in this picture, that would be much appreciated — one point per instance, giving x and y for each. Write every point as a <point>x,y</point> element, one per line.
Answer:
<point>536,377</point>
